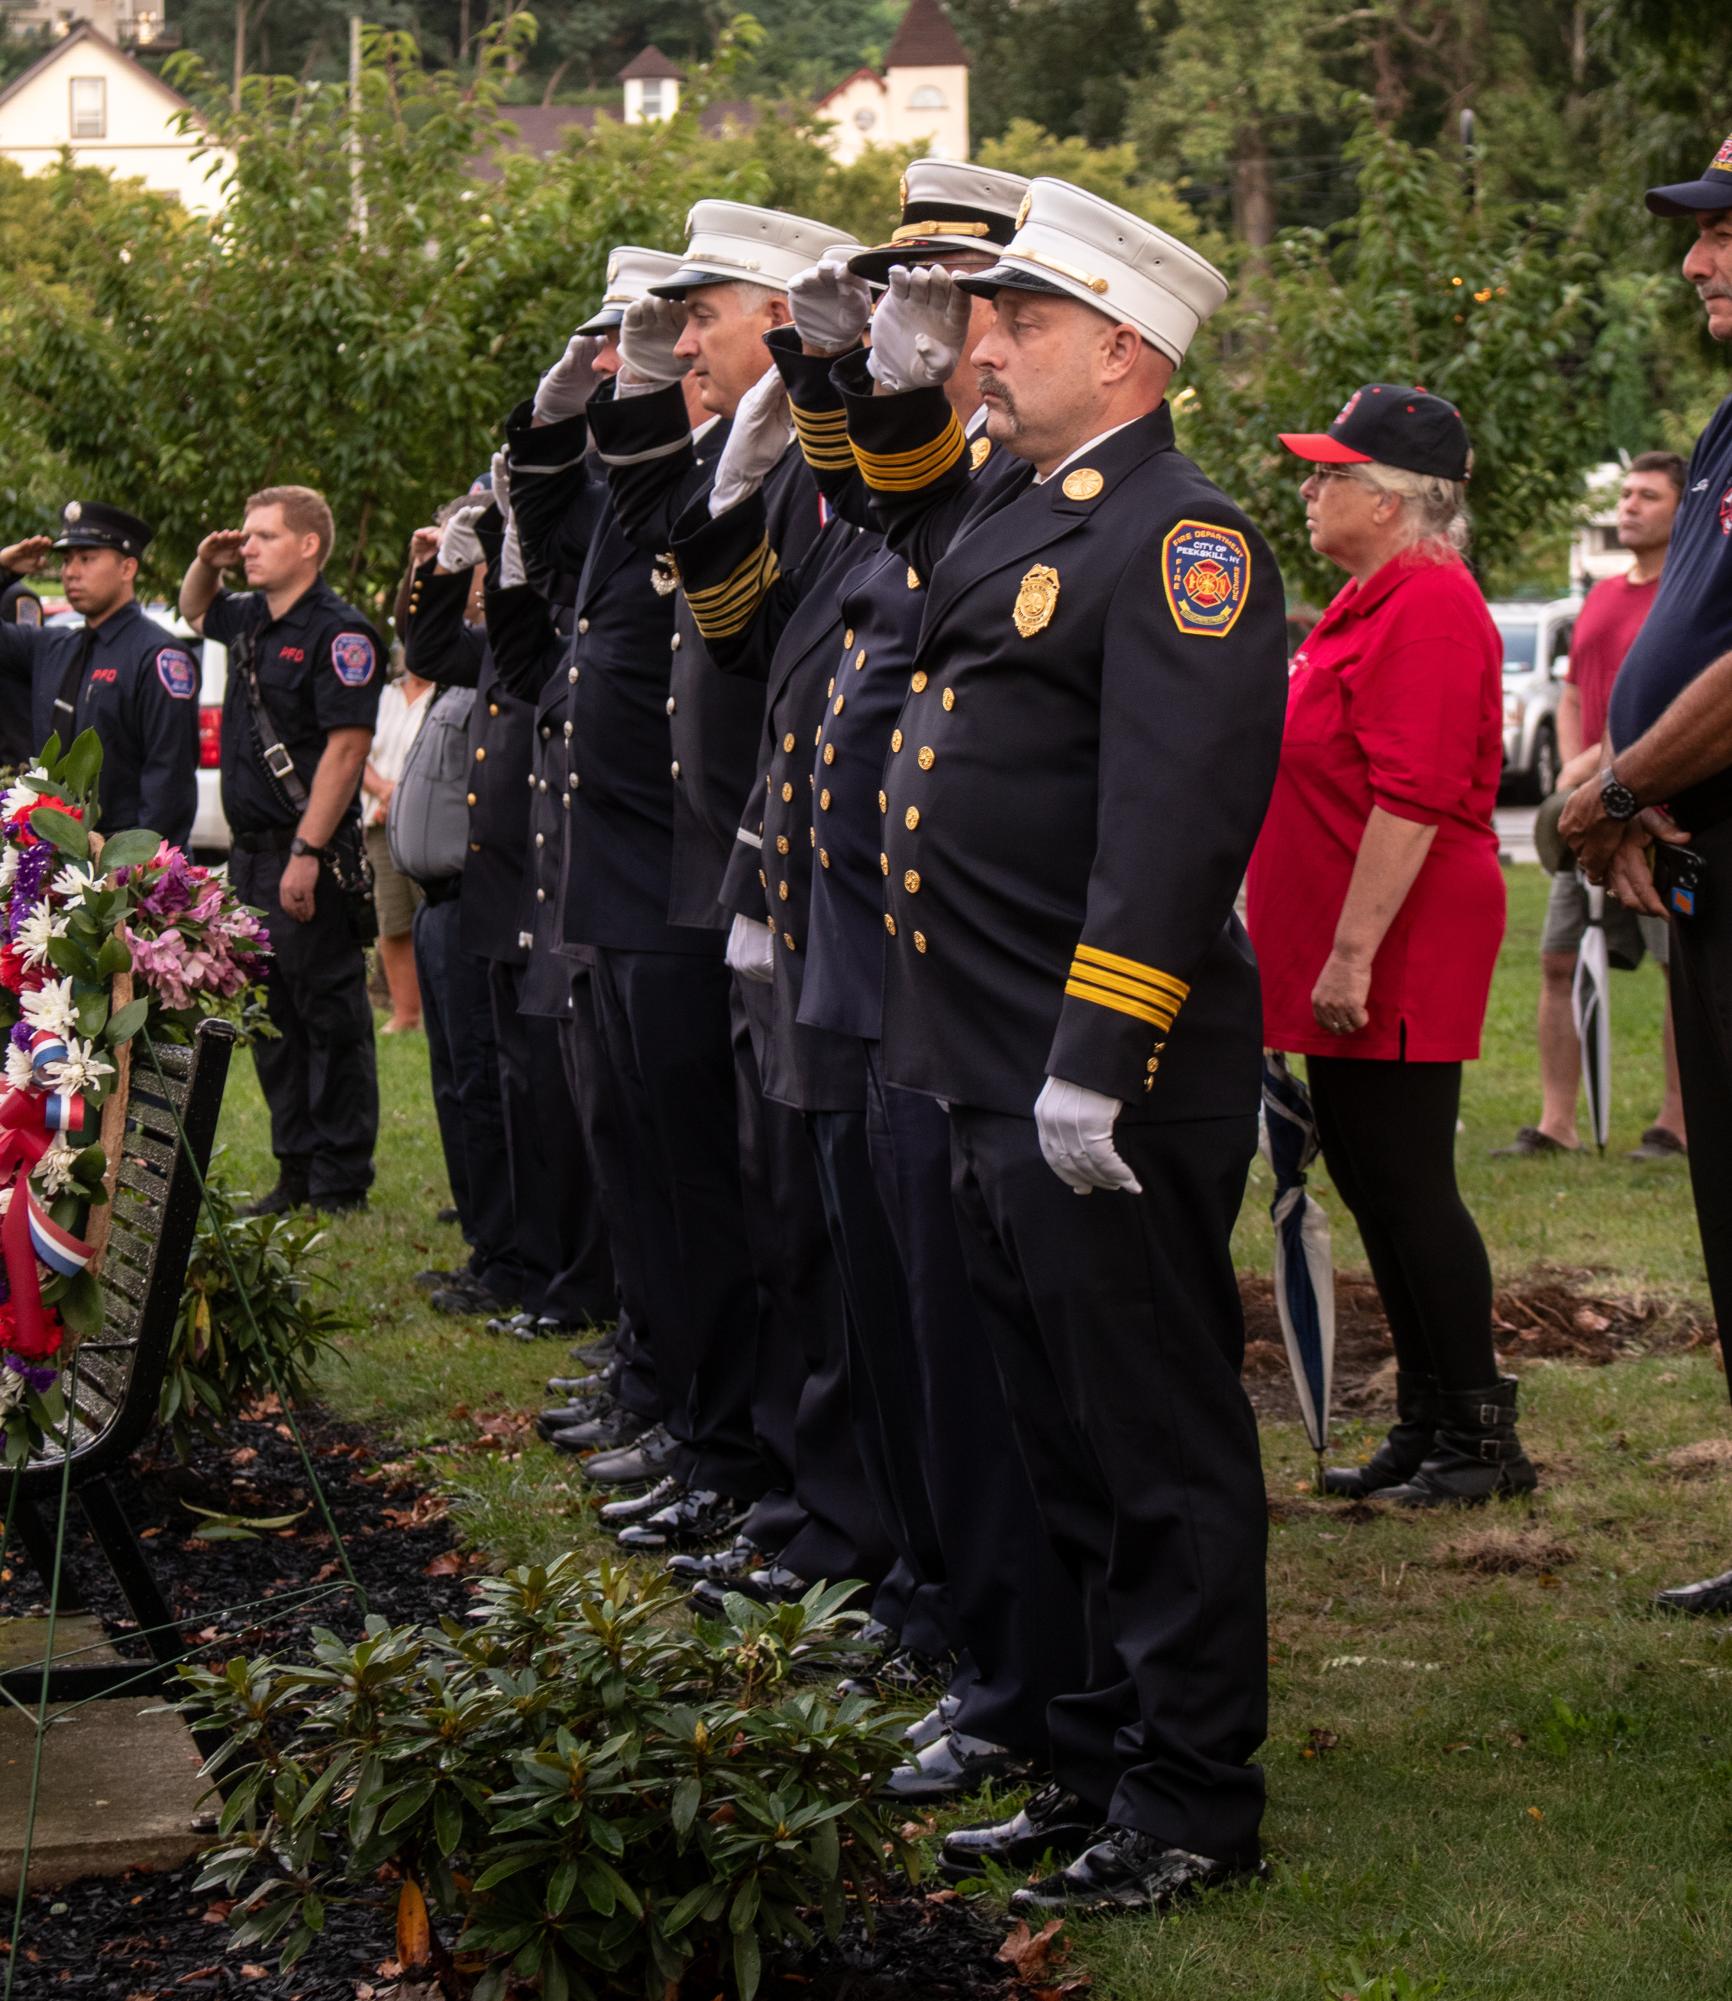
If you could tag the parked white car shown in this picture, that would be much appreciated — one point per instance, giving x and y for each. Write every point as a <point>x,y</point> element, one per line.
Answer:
<point>1536,655</point>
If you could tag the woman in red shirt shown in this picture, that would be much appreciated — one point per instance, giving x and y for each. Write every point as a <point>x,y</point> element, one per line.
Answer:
<point>1376,904</point>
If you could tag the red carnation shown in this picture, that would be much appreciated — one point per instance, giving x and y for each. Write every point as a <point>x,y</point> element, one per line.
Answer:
<point>32,1348</point>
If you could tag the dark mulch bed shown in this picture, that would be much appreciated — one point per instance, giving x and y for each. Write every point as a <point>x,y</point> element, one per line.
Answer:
<point>1553,1314</point>
<point>153,1938</point>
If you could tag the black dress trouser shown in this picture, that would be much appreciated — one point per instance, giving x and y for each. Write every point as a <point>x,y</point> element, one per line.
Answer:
<point>1116,1322</point>
<point>1013,1604</point>
<point>319,1073</point>
<point>561,1241</point>
<point>1701,980</point>
<point>434,932</point>
<point>662,1018</point>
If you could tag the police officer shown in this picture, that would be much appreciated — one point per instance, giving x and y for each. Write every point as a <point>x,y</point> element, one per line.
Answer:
<point>1658,826</point>
<point>303,692</point>
<point>119,674</point>
<point>1070,798</point>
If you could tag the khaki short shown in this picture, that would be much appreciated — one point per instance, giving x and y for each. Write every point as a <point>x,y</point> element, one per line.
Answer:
<point>395,897</point>
<point>1628,934</point>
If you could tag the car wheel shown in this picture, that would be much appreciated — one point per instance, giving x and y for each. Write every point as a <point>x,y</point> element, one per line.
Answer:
<point>1545,764</point>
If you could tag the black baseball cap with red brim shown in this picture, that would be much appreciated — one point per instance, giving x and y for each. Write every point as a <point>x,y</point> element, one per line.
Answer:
<point>1387,423</point>
<point>1713,191</point>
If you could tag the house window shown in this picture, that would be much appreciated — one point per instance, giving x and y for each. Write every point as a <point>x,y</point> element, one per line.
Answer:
<point>927,98</point>
<point>652,99</point>
<point>89,107</point>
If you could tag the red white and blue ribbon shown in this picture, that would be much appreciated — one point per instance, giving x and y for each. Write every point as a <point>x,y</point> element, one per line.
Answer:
<point>28,1119</point>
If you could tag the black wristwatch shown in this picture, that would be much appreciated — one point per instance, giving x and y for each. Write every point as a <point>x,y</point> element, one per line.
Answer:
<point>299,847</point>
<point>1619,802</point>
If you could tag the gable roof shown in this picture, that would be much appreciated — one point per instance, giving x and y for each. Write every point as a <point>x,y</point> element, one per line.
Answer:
<point>925,40</point>
<point>84,32</point>
<point>854,76</point>
<point>649,64</point>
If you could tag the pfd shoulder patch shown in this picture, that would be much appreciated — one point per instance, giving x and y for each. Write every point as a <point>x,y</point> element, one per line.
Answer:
<point>27,609</point>
<point>176,672</point>
<point>353,658</point>
<point>1206,573</point>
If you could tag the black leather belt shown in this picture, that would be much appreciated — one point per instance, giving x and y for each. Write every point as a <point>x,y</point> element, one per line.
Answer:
<point>268,841</point>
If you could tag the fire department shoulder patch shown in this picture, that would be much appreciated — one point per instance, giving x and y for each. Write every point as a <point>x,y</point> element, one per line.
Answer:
<point>1206,573</point>
<point>352,658</point>
<point>174,669</point>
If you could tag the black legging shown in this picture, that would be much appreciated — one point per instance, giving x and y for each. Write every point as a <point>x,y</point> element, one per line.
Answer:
<point>1388,1134</point>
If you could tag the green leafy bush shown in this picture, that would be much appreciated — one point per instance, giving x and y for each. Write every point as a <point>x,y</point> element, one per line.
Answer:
<point>219,1359</point>
<point>606,1796</point>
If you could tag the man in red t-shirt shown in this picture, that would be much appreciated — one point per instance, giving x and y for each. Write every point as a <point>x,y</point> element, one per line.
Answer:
<point>1605,628</point>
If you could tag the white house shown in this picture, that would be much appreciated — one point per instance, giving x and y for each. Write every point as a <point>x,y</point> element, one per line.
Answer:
<point>918,104</point>
<point>652,87</point>
<point>89,98</point>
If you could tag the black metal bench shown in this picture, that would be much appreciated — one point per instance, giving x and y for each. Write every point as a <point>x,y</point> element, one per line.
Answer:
<point>113,1388</point>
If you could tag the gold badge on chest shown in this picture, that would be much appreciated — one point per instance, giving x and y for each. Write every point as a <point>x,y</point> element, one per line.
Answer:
<point>1083,484</point>
<point>664,575</point>
<point>1036,600</point>
<point>978,453</point>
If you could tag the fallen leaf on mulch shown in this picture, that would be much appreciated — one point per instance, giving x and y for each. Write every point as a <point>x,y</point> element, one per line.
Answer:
<point>446,1564</point>
<point>1319,1742</point>
<point>1032,1952</point>
<point>421,1513</point>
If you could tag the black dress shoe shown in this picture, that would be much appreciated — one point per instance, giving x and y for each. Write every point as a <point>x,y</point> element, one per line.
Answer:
<point>593,1354</point>
<point>468,1299</point>
<point>730,1566</point>
<point>598,1383</point>
<point>769,1584</point>
<point>938,1721</point>
<point>640,1464</point>
<point>544,1327</point>
<point>612,1429</point>
<point>344,1203</point>
<point>1128,1871</point>
<point>902,1676</point>
<point>953,1767</point>
<point>447,1215</point>
<point>1712,1595</point>
<point>435,1280</point>
<point>507,1323</point>
<point>285,1196</point>
<point>569,1416</point>
<point>638,1507</point>
<point>1054,1822</point>
<point>699,1517</point>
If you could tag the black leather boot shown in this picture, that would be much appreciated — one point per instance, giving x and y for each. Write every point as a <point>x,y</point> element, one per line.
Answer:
<point>1477,1454</point>
<point>1403,1452</point>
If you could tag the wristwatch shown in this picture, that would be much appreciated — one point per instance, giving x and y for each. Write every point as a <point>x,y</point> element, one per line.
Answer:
<point>1619,802</point>
<point>299,847</point>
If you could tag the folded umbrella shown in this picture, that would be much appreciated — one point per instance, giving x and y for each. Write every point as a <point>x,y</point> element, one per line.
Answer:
<point>1304,1265</point>
<point>1590,998</point>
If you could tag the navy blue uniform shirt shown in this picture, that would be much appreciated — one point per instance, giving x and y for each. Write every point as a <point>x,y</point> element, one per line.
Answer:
<point>1690,626</point>
<point>319,670</point>
<point>140,695</point>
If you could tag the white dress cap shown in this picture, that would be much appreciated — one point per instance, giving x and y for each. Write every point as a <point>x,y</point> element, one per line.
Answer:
<point>631,272</point>
<point>947,206</point>
<point>729,242</point>
<point>1072,242</point>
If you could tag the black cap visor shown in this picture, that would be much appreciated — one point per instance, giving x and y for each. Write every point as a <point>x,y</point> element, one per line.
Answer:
<point>1704,197</point>
<point>690,277</point>
<point>606,321</point>
<point>94,538</point>
<point>1009,278</point>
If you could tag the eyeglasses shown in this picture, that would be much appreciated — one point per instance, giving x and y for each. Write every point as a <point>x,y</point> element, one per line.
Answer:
<point>1323,473</point>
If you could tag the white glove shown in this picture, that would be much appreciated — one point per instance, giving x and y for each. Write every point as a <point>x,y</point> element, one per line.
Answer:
<point>459,545</point>
<point>648,335</point>
<point>511,572</point>
<point>502,484</point>
<point>759,436</point>
<point>830,305</point>
<point>751,950</point>
<point>1076,1137</point>
<point>565,390</point>
<point>919,329</point>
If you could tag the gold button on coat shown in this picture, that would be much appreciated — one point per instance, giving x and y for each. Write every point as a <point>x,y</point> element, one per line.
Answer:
<point>884,802</point>
<point>481,753</point>
<point>895,739</point>
<point>911,819</point>
<point>840,699</point>
<point>787,791</point>
<point>472,798</point>
<point>824,798</point>
<point>848,637</point>
<point>950,698</point>
<point>920,941</point>
<point>781,844</point>
<point>675,767</point>
<point>911,882</point>
<point>890,924</point>
<point>788,741</point>
<point>860,660</point>
<point>928,757</point>
<point>493,708</point>
<point>829,753</point>
<point>782,891</point>
<point>883,864</point>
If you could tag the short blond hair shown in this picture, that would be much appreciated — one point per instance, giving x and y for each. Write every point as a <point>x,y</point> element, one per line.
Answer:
<point>305,512</point>
<point>1436,507</point>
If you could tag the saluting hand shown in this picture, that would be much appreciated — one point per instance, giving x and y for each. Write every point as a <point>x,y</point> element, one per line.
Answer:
<point>221,549</point>
<point>648,335</point>
<point>423,545</point>
<point>830,305</point>
<point>459,545</point>
<point>26,558</point>
<point>919,329</point>
<point>757,439</point>
<point>565,390</point>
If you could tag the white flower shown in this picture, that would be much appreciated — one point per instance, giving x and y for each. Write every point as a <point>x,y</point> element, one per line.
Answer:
<point>38,931</point>
<point>11,1392</point>
<point>18,799</point>
<point>20,1071</point>
<point>78,1069</point>
<point>8,868</point>
<point>50,1007</point>
<point>72,881</point>
<point>54,1169</point>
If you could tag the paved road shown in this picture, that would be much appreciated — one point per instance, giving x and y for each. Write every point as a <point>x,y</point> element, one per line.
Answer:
<point>1515,833</point>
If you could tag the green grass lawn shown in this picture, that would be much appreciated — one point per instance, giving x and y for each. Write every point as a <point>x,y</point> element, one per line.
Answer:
<point>1492,1771</point>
